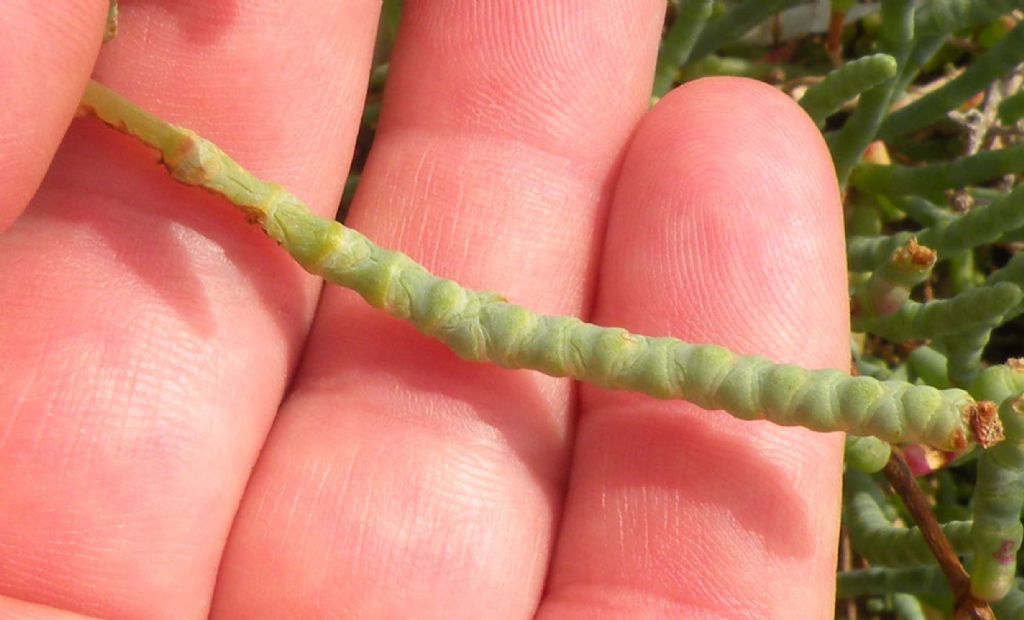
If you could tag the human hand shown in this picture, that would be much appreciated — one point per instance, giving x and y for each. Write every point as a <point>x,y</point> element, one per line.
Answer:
<point>172,444</point>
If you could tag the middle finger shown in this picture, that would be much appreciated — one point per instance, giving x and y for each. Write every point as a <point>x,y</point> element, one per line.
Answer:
<point>399,480</point>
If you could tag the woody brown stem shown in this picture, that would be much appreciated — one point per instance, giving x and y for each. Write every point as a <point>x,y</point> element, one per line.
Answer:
<point>966,607</point>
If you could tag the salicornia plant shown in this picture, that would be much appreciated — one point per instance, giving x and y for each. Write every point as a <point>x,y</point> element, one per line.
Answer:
<point>935,279</point>
<point>482,326</point>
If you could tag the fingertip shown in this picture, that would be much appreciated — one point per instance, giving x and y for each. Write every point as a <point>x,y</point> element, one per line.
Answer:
<point>721,108</point>
<point>46,54</point>
<point>728,183</point>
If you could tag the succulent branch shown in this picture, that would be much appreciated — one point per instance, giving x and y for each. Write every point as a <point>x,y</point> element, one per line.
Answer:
<point>482,326</point>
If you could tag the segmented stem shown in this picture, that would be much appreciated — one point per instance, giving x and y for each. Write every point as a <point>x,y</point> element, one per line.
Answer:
<point>972,170</point>
<point>920,580</point>
<point>880,580</point>
<point>946,16</point>
<point>964,350</point>
<point>979,226</point>
<point>679,41</point>
<point>990,66</point>
<point>981,306</point>
<point>1012,605</point>
<point>896,38</point>
<point>888,288</point>
<point>998,501</point>
<point>922,211</point>
<point>907,607</point>
<point>866,454</point>
<point>481,326</point>
<point>873,535</point>
<point>826,97</point>
<point>1000,382</point>
<point>930,366</point>
<point>1013,271</point>
<point>734,24</point>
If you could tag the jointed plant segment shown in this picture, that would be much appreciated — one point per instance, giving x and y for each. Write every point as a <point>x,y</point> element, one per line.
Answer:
<point>925,580</point>
<point>825,98</point>
<point>985,305</point>
<point>945,16</point>
<point>981,225</point>
<point>866,454</point>
<point>998,61</point>
<point>998,500</point>
<point>887,289</point>
<point>882,580</point>
<point>999,383</point>
<point>483,327</point>
<point>908,607</point>
<point>735,23</point>
<point>874,536</point>
<point>933,178</point>
<point>679,42</point>
<point>896,39</point>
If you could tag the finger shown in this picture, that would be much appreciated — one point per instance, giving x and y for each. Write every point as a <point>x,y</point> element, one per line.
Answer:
<point>46,54</point>
<point>726,228</point>
<point>148,333</point>
<point>13,609</point>
<point>399,481</point>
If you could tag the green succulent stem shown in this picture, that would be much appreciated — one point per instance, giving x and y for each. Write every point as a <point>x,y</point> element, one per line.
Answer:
<point>482,326</point>
<point>1000,382</point>
<point>888,287</point>
<point>990,66</point>
<point>924,212</point>
<point>998,500</point>
<point>736,23</point>
<point>976,307</point>
<point>866,454</point>
<point>941,17</point>
<point>874,536</point>
<point>981,225</point>
<point>908,607</point>
<point>882,580</point>
<point>1012,271</point>
<point>929,365</point>
<point>923,580</point>
<point>713,64</point>
<point>896,39</point>
<point>826,97</point>
<point>975,169</point>
<point>923,50</point>
<point>964,350</point>
<point>679,41</point>
<point>1011,606</point>
<point>1011,109</point>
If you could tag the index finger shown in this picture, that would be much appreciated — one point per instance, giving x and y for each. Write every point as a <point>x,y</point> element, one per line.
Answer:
<point>147,333</point>
<point>47,50</point>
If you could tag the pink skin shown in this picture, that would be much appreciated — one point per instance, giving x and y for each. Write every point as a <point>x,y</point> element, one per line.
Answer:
<point>46,52</point>
<point>171,445</point>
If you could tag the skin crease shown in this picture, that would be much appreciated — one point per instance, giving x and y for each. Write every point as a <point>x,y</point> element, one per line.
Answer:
<point>173,446</point>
